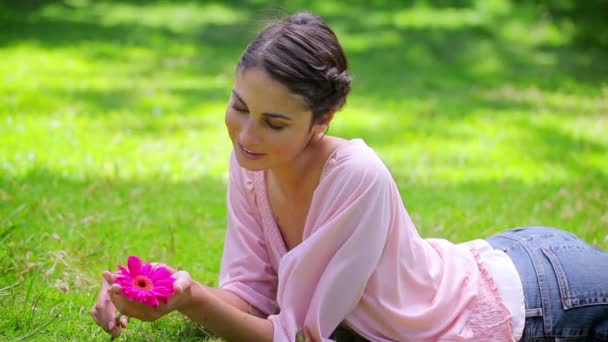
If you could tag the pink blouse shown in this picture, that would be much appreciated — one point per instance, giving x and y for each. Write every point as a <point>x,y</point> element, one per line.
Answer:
<point>361,262</point>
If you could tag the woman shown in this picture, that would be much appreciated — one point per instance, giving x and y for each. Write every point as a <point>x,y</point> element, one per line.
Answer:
<point>319,244</point>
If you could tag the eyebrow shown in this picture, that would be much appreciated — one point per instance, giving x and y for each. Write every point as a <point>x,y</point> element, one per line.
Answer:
<point>272,115</point>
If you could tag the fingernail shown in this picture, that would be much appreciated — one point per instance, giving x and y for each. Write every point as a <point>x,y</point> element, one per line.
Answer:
<point>111,325</point>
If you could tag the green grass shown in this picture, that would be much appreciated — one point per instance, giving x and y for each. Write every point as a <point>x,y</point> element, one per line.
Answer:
<point>112,140</point>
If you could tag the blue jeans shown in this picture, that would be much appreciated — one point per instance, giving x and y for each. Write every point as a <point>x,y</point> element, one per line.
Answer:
<point>565,283</point>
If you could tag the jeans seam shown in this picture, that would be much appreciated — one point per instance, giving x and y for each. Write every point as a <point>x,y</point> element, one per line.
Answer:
<point>544,296</point>
<point>561,277</point>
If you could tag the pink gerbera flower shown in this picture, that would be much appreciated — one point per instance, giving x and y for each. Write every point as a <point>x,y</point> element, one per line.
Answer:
<point>145,283</point>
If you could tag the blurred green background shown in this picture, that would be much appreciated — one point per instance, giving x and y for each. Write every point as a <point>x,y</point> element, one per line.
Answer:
<point>490,114</point>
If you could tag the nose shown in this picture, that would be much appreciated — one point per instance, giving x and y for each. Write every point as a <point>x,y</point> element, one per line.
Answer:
<point>249,134</point>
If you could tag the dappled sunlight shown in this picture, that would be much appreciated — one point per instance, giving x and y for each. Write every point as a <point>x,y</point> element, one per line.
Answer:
<point>173,147</point>
<point>434,87</point>
<point>592,102</point>
<point>112,137</point>
<point>423,144</point>
<point>442,18</point>
<point>178,18</point>
<point>542,32</point>
<point>361,41</point>
<point>138,79</point>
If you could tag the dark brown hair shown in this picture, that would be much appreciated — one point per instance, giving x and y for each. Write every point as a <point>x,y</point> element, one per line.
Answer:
<point>304,54</point>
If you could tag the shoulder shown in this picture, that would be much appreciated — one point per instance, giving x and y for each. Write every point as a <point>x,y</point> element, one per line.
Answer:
<point>355,161</point>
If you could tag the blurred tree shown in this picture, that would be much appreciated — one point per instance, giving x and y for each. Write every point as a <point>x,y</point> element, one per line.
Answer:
<point>24,5</point>
<point>589,18</point>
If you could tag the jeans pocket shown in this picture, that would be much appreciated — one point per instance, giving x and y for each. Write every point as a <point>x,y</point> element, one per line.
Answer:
<point>582,274</point>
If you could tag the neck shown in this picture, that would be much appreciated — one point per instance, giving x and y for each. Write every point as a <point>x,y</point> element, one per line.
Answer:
<point>291,177</point>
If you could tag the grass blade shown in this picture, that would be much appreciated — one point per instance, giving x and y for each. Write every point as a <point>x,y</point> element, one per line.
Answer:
<point>42,326</point>
<point>4,290</point>
<point>14,213</point>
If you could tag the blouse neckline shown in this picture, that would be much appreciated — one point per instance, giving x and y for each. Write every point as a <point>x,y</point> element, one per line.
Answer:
<point>278,245</point>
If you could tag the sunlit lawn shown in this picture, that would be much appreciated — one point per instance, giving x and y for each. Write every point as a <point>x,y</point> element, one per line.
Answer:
<point>112,140</point>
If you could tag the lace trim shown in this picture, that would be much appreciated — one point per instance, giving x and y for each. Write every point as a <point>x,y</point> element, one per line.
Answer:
<point>490,318</point>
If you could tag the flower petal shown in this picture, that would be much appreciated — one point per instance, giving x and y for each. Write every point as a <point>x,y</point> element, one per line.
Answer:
<point>160,273</point>
<point>124,282</point>
<point>162,291</point>
<point>146,268</point>
<point>134,265</point>
<point>123,271</point>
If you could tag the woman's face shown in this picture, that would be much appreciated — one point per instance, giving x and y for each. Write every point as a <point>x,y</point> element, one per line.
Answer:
<point>268,125</point>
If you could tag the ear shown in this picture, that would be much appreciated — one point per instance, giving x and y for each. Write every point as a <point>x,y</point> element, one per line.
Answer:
<point>323,122</point>
<point>320,125</point>
<point>322,128</point>
<point>327,117</point>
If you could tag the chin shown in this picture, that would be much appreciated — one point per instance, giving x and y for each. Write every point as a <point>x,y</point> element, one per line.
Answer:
<point>250,165</point>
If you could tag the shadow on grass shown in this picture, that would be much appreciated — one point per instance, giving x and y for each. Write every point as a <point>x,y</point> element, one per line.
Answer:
<point>101,102</point>
<point>441,63</point>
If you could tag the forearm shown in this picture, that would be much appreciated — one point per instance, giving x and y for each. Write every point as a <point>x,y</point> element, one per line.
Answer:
<point>226,315</point>
<point>234,300</point>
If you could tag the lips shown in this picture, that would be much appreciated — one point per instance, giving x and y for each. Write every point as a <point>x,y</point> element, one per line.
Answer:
<point>249,153</point>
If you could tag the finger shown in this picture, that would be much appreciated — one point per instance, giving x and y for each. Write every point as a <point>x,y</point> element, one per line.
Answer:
<point>182,281</point>
<point>113,329</point>
<point>123,321</point>
<point>114,293</point>
<point>116,289</point>
<point>115,332</point>
<point>109,277</point>
<point>94,312</point>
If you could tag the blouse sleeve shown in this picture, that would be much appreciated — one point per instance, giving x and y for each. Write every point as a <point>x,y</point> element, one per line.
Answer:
<point>245,268</point>
<point>322,279</point>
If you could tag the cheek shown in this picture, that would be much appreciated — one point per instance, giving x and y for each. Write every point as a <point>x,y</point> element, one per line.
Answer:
<point>288,144</point>
<point>232,123</point>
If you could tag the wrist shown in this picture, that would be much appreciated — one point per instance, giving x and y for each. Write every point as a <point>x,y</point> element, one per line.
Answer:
<point>191,299</point>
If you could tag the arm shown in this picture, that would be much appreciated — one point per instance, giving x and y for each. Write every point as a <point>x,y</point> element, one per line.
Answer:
<point>225,314</point>
<point>247,283</point>
<point>246,270</point>
<point>221,311</point>
<point>237,310</point>
<point>230,298</point>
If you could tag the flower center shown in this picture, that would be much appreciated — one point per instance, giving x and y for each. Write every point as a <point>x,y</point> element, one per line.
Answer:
<point>143,283</point>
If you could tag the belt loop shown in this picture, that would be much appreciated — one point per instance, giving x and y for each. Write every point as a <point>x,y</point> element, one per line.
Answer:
<point>538,312</point>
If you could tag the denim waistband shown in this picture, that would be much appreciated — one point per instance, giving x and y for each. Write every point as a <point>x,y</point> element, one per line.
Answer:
<point>559,272</point>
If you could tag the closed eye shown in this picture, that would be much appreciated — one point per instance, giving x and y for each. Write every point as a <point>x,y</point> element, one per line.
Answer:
<point>273,126</point>
<point>268,122</point>
<point>239,109</point>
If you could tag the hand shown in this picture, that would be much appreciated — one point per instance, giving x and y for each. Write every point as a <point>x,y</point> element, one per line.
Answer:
<point>181,296</point>
<point>104,312</point>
